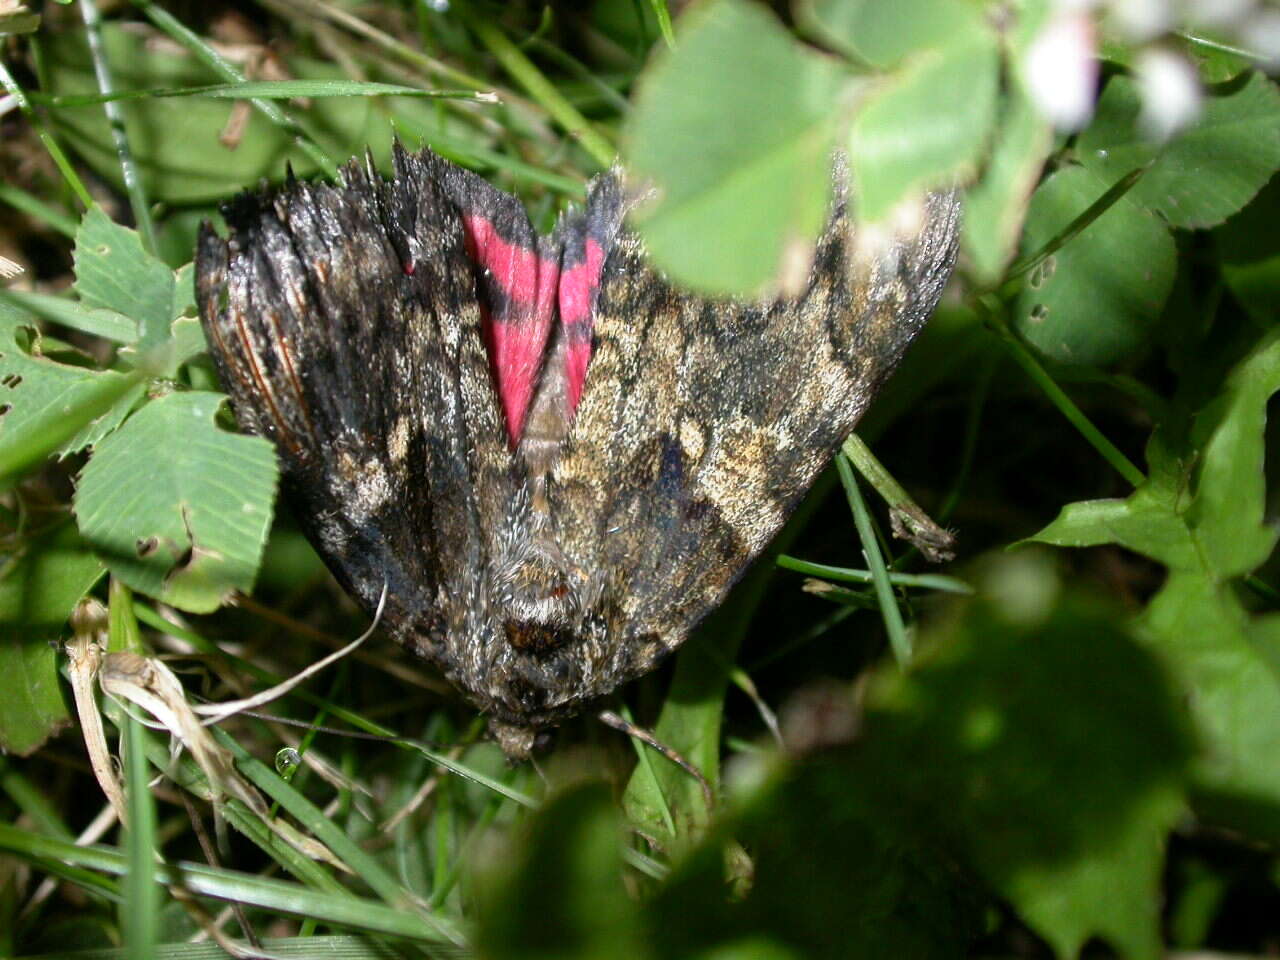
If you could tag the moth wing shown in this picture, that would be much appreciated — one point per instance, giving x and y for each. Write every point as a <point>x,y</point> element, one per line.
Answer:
<point>345,324</point>
<point>703,422</point>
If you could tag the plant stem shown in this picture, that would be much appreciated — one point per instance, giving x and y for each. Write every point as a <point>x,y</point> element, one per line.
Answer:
<point>59,158</point>
<point>115,120</point>
<point>1066,406</point>
<point>893,624</point>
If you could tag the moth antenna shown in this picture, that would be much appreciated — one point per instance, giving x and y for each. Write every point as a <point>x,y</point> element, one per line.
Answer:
<point>609,718</point>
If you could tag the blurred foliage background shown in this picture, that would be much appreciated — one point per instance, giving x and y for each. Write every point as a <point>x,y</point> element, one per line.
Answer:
<point>1074,751</point>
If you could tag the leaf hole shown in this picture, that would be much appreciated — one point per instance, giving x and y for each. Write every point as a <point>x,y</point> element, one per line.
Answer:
<point>183,561</point>
<point>1039,313</point>
<point>146,546</point>
<point>5,408</point>
<point>12,380</point>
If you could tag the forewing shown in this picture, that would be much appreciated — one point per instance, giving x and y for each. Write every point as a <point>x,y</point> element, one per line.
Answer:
<point>703,422</point>
<point>346,327</point>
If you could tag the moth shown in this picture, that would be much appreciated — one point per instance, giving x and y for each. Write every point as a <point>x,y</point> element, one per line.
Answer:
<point>555,461</point>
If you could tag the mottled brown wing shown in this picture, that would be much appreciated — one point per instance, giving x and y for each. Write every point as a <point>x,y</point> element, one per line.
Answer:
<point>703,422</point>
<point>345,324</point>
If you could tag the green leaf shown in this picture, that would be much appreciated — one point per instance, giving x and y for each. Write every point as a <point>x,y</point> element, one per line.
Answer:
<point>1201,513</point>
<point>1057,788</point>
<point>127,295</point>
<point>881,34</point>
<point>38,591</point>
<point>32,709</point>
<point>177,507</point>
<point>188,340</point>
<point>1214,63</point>
<point>184,291</point>
<point>558,892</point>
<point>660,796</point>
<point>734,128</point>
<point>1207,172</point>
<point>924,125</point>
<point>166,348</point>
<point>94,431</point>
<point>1096,300</point>
<point>114,272</point>
<point>835,873</point>
<point>1249,247</point>
<point>996,206</point>
<point>48,407</point>
<point>78,316</point>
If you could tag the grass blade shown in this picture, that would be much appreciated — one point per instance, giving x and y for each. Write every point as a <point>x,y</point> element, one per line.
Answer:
<point>893,624</point>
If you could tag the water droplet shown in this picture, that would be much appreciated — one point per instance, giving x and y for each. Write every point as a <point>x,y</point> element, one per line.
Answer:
<point>287,762</point>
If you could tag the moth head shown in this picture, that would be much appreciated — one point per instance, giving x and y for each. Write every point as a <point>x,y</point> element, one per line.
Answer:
<point>519,742</point>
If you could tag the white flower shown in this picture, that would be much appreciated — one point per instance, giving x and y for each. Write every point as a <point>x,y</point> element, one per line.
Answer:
<point>1261,33</point>
<point>1217,13</point>
<point>1170,92</point>
<point>1061,68</point>
<point>1063,7</point>
<point>1140,20</point>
